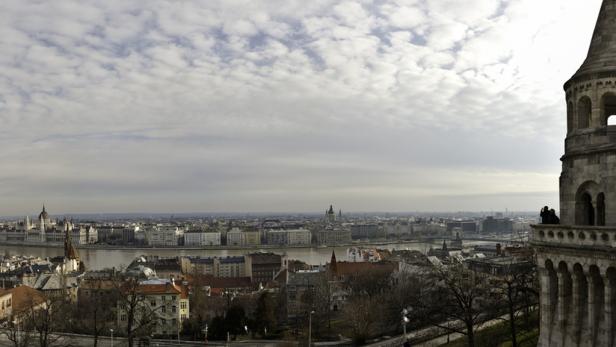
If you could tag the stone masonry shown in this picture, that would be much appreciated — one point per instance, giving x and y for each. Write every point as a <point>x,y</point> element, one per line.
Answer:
<point>577,259</point>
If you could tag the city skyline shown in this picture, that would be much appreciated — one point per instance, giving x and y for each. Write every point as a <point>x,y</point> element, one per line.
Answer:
<point>285,106</point>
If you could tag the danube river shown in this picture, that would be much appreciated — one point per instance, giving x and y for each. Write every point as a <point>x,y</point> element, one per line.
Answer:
<point>105,258</point>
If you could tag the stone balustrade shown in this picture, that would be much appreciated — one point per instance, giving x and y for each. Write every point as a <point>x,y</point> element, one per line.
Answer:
<point>573,235</point>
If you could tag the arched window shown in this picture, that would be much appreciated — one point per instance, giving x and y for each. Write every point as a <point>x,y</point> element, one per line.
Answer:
<point>608,109</point>
<point>586,211</point>
<point>569,117</point>
<point>601,209</point>
<point>584,111</point>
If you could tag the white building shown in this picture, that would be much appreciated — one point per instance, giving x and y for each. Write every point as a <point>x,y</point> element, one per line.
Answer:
<point>299,237</point>
<point>163,302</point>
<point>164,235</point>
<point>234,237</point>
<point>201,238</point>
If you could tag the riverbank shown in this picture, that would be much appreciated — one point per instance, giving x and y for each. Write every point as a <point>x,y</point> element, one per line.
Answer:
<point>211,248</point>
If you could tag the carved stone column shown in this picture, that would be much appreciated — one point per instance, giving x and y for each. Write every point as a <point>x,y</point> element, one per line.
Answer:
<point>545,300</point>
<point>608,303</point>
<point>577,309</point>
<point>564,300</point>
<point>594,311</point>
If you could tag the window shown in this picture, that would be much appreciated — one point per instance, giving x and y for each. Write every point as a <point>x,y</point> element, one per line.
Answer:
<point>152,303</point>
<point>164,309</point>
<point>173,298</point>
<point>183,305</point>
<point>183,317</point>
<point>584,111</point>
<point>173,309</point>
<point>608,109</point>
<point>163,298</point>
<point>123,318</point>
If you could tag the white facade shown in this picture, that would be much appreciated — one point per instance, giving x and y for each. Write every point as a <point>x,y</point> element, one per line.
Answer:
<point>234,237</point>
<point>202,238</point>
<point>299,237</point>
<point>164,236</point>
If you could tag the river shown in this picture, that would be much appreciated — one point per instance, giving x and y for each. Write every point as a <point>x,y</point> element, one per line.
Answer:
<point>96,259</point>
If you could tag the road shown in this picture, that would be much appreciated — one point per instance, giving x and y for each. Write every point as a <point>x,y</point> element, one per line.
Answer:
<point>85,340</point>
<point>431,336</point>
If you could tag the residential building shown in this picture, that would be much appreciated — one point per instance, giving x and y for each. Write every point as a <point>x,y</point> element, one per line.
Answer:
<point>231,267</point>
<point>24,300</point>
<point>163,302</point>
<point>265,266</point>
<point>293,237</point>
<point>300,285</point>
<point>497,225</point>
<point>202,238</point>
<point>277,237</point>
<point>6,299</point>
<point>366,231</point>
<point>164,236</point>
<point>333,236</point>
<point>251,238</point>
<point>234,237</point>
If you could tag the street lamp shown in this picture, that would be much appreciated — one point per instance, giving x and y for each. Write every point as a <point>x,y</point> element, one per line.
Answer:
<point>16,326</point>
<point>310,328</point>
<point>405,321</point>
<point>111,330</point>
<point>205,333</point>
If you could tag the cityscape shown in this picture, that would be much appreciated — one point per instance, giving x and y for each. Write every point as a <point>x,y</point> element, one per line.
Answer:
<point>324,173</point>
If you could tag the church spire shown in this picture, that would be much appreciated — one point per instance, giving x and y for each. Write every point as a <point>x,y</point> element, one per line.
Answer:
<point>333,265</point>
<point>602,51</point>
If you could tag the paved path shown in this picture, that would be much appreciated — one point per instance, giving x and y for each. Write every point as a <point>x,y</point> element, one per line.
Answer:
<point>105,341</point>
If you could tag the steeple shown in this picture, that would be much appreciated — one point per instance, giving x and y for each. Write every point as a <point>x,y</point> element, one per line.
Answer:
<point>333,265</point>
<point>602,52</point>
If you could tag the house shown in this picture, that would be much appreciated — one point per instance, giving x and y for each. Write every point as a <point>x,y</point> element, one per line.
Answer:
<point>162,302</point>
<point>24,300</point>
<point>6,299</point>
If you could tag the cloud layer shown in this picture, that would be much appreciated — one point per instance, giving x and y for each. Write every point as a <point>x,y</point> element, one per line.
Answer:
<point>237,105</point>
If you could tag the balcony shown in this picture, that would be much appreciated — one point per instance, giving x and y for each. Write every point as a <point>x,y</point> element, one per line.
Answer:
<point>573,236</point>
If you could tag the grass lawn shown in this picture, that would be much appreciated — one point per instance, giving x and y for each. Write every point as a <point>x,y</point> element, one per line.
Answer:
<point>499,335</point>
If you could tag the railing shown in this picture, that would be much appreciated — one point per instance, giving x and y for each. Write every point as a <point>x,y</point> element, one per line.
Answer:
<point>574,235</point>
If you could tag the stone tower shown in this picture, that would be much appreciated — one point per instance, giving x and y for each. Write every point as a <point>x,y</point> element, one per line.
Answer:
<point>576,259</point>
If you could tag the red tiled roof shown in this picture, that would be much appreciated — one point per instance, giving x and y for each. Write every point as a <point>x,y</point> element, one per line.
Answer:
<point>149,289</point>
<point>220,282</point>
<point>25,297</point>
<point>344,268</point>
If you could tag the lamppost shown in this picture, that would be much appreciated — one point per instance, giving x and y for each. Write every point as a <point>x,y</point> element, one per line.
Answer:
<point>111,330</point>
<point>405,321</point>
<point>310,328</point>
<point>16,326</point>
<point>205,333</point>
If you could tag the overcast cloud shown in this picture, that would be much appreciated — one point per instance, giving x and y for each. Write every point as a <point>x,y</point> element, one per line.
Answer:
<point>177,106</point>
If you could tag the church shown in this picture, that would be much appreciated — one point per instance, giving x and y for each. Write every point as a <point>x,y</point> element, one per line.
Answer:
<point>576,259</point>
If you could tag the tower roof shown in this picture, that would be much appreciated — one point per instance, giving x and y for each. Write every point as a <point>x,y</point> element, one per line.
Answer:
<point>43,214</point>
<point>602,52</point>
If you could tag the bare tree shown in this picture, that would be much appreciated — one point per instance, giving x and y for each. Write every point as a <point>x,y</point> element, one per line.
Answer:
<point>517,287</point>
<point>15,333</point>
<point>457,300</point>
<point>46,318</point>
<point>361,312</point>
<point>139,317</point>
<point>95,315</point>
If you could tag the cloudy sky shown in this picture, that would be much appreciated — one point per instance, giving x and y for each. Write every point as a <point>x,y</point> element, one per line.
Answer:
<point>285,105</point>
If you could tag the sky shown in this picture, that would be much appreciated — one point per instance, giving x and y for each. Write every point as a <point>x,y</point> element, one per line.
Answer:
<point>285,105</point>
